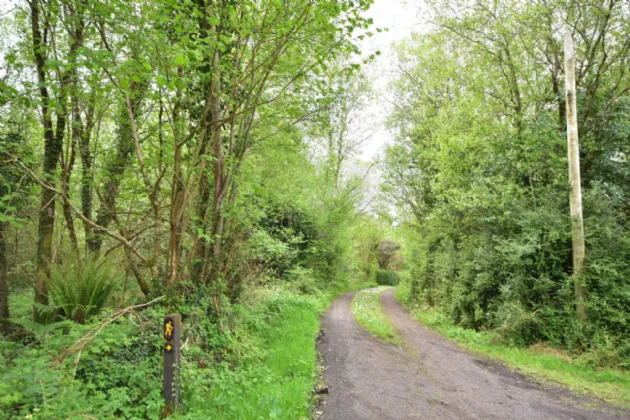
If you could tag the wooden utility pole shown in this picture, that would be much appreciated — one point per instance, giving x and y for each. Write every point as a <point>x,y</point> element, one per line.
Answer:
<point>575,196</point>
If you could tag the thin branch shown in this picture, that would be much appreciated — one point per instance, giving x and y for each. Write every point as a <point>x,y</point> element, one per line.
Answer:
<point>79,213</point>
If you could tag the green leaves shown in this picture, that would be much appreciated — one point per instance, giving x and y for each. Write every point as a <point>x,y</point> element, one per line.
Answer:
<point>180,59</point>
<point>188,117</point>
<point>81,288</point>
<point>478,170</point>
<point>124,83</point>
<point>52,64</point>
<point>161,80</point>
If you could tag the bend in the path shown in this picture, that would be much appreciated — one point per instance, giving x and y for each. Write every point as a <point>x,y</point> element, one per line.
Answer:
<point>487,388</point>
<point>429,379</point>
<point>366,378</point>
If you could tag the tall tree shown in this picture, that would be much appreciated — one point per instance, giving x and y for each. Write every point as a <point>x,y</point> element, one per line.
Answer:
<point>53,145</point>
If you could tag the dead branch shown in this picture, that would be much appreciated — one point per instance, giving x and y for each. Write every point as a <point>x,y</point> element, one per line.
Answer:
<point>80,344</point>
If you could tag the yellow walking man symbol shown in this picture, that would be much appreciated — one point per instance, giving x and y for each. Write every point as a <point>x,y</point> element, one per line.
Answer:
<point>168,331</point>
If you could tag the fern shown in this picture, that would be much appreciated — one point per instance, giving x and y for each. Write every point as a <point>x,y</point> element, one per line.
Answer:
<point>38,329</point>
<point>80,288</point>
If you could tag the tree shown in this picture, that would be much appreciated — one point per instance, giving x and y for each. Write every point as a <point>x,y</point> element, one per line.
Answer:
<point>478,172</point>
<point>187,117</point>
<point>13,183</point>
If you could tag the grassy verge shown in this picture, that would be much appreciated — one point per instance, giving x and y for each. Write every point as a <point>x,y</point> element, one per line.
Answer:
<point>367,310</point>
<point>277,374</point>
<point>539,361</point>
<point>260,364</point>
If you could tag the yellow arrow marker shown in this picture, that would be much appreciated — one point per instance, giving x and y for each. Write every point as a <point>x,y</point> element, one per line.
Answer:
<point>169,347</point>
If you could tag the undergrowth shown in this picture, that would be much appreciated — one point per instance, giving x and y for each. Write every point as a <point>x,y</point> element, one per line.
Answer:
<point>258,361</point>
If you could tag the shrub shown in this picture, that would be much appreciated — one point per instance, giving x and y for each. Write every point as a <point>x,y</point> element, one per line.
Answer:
<point>80,288</point>
<point>303,280</point>
<point>387,277</point>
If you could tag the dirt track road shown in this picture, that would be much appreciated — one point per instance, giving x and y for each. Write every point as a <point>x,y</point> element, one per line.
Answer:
<point>430,378</point>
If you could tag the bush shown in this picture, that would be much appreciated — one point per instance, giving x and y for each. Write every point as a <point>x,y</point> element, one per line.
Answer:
<point>80,288</point>
<point>387,277</point>
<point>303,280</point>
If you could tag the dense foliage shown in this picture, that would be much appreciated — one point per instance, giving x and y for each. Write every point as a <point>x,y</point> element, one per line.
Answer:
<point>387,277</point>
<point>201,157</point>
<point>479,169</point>
<point>195,157</point>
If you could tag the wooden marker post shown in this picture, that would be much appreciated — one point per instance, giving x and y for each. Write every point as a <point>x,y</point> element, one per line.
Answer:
<point>172,343</point>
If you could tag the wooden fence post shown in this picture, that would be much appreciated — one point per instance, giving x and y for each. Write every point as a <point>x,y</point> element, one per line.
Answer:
<point>171,392</point>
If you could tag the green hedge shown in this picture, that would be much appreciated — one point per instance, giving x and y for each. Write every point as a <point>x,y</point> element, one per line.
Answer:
<point>387,277</point>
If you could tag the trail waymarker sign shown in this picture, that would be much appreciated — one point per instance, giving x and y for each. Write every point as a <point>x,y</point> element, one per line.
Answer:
<point>172,343</point>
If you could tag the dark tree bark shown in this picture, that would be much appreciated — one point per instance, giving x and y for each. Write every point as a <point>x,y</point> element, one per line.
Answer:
<point>4,283</point>
<point>52,151</point>
<point>115,169</point>
<point>86,168</point>
<point>200,249</point>
<point>66,173</point>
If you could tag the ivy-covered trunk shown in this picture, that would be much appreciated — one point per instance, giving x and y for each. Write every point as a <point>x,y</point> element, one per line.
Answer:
<point>4,284</point>
<point>52,151</point>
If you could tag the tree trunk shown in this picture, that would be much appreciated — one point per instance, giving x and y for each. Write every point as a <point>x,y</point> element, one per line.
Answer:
<point>200,249</point>
<point>86,170</point>
<point>115,168</point>
<point>577,223</point>
<point>66,174</point>
<point>4,281</point>
<point>67,215</point>
<point>220,188</point>
<point>46,225</point>
<point>142,283</point>
<point>52,151</point>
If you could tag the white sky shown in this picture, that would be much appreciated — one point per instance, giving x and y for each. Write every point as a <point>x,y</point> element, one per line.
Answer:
<point>401,18</point>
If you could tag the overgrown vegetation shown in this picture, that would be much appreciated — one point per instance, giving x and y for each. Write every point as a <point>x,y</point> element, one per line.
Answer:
<point>479,172</point>
<point>162,157</point>
<point>80,289</point>
<point>264,366</point>
<point>203,157</point>
<point>366,307</point>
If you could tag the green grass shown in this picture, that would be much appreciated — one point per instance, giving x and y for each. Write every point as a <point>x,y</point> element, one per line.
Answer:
<point>368,312</point>
<point>264,367</point>
<point>540,362</point>
<point>276,381</point>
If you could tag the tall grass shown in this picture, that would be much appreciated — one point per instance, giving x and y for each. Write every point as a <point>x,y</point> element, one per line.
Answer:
<point>279,367</point>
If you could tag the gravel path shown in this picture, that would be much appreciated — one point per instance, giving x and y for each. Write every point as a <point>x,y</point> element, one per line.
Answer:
<point>430,378</point>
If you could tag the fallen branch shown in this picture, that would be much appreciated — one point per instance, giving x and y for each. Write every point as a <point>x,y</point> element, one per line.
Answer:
<point>80,344</point>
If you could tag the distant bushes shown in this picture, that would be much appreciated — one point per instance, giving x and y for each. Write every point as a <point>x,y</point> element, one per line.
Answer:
<point>387,277</point>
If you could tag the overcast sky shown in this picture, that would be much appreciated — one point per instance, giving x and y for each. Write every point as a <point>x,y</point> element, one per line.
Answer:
<point>401,19</point>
